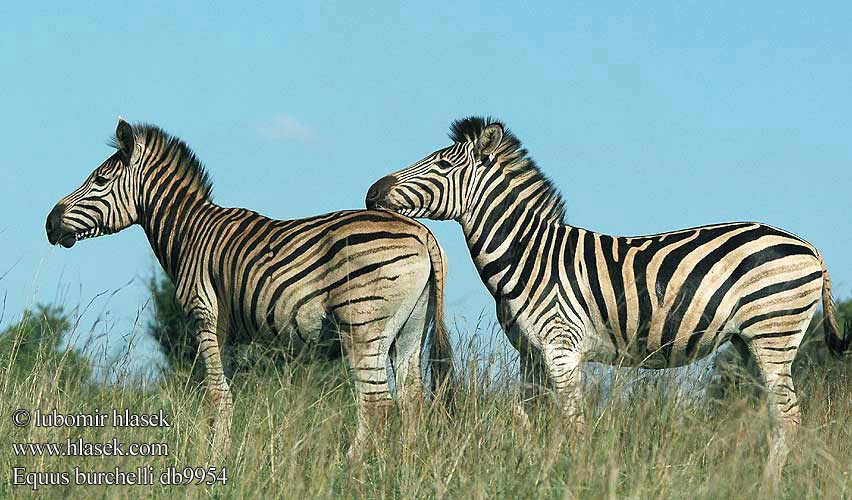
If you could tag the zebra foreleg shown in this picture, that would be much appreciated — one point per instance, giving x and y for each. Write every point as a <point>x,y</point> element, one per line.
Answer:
<point>563,369</point>
<point>533,380</point>
<point>218,392</point>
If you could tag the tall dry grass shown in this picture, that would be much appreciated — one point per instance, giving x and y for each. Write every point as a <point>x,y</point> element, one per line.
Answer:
<point>651,435</point>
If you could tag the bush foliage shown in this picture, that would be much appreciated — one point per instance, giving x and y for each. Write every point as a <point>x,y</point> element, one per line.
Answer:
<point>37,342</point>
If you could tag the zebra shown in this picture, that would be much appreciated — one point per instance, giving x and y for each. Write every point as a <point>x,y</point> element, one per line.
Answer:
<point>566,295</point>
<point>369,280</point>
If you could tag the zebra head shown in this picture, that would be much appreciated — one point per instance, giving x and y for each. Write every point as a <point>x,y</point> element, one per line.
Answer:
<point>442,185</point>
<point>105,203</point>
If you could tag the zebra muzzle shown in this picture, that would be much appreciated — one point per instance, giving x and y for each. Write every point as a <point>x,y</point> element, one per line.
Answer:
<point>56,230</point>
<point>378,191</point>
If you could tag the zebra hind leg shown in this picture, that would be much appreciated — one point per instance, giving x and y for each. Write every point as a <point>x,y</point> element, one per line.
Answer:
<point>774,354</point>
<point>407,358</point>
<point>367,348</point>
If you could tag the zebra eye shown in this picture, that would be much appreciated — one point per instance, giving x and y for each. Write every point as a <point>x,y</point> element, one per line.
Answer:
<point>100,180</point>
<point>444,165</point>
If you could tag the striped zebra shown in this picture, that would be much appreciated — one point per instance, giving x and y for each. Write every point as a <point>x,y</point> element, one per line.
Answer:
<point>368,280</point>
<point>566,294</point>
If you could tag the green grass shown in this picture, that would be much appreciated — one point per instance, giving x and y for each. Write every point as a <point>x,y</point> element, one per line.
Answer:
<point>658,439</point>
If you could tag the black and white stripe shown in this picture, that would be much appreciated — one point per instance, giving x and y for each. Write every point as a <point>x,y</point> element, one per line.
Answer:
<point>366,279</point>
<point>566,294</point>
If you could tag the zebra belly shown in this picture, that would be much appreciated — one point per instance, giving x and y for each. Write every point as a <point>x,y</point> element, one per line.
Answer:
<point>639,354</point>
<point>291,332</point>
<point>306,327</point>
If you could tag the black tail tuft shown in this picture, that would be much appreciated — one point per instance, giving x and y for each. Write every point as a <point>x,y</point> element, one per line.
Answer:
<point>840,346</point>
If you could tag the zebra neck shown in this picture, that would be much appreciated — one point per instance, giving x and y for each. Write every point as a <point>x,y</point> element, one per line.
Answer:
<point>503,240</point>
<point>174,227</point>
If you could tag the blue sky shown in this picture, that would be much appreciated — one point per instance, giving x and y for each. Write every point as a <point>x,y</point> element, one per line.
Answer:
<point>649,117</point>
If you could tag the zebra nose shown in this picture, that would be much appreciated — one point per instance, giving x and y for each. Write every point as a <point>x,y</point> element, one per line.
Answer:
<point>54,218</point>
<point>379,189</point>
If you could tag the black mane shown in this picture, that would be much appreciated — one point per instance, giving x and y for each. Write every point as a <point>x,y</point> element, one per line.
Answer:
<point>516,162</point>
<point>186,163</point>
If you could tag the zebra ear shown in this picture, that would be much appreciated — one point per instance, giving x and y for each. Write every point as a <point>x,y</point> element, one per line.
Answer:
<point>124,138</point>
<point>490,139</point>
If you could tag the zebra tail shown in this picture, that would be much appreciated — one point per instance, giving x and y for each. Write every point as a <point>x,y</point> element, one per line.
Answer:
<point>837,344</point>
<point>441,349</point>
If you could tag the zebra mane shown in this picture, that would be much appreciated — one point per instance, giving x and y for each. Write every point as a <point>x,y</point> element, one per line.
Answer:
<point>515,162</point>
<point>185,164</point>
